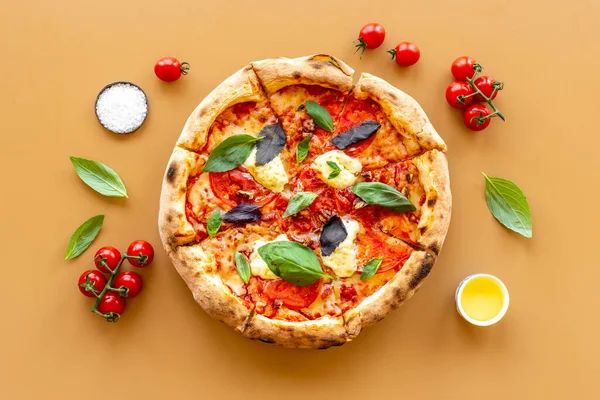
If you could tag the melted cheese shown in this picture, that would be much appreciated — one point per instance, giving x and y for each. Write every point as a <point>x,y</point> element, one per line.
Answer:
<point>258,266</point>
<point>272,175</point>
<point>350,168</point>
<point>343,259</point>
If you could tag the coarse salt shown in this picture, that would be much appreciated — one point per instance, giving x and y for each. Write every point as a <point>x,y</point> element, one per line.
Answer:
<point>122,108</point>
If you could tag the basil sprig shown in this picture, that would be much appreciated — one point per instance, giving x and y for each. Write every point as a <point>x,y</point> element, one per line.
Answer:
<point>320,115</point>
<point>299,202</point>
<point>508,205</point>
<point>230,153</point>
<point>99,177</point>
<point>84,236</point>
<point>335,169</point>
<point>302,149</point>
<point>214,223</point>
<point>242,266</point>
<point>380,194</point>
<point>371,268</point>
<point>292,262</point>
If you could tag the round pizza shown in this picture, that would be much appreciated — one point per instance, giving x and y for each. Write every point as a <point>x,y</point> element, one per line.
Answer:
<point>300,207</point>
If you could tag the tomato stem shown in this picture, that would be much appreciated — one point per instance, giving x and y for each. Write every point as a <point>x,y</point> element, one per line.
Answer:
<point>393,53</point>
<point>361,45</point>
<point>497,86</point>
<point>184,68</point>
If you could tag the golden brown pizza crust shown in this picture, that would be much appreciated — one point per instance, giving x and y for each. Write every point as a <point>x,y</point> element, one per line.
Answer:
<point>319,69</point>
<point>436,212</point>
<point>173,225</point>
<point>319,333</point>
<point>243,86</point>
<point>402,110</point>
<point>392,295</point>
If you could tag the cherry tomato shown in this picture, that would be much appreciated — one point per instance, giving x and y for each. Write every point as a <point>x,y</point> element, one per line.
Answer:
<point>107,258</point>
<point>141,248</point>
<point>371,36</point>
<point>405,54</point>
<point>169,69</point>
<point>292,296</point>
<point>131,280</point>
<point>463,68</point>
<point>475,111</point>
<point>486,85</point>
<point>456,89</point>
<point>111,302</point>
<point>99,281</point>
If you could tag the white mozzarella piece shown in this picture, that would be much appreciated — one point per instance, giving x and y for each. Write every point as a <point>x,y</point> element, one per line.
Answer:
<point>350,169</point>
<point>272,175</point>
<point>343,259</point>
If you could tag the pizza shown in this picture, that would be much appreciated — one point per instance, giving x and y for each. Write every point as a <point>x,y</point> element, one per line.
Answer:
<point>300,207</point>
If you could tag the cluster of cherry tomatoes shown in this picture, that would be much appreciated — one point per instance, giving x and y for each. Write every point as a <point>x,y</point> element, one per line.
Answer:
<point>372,35</point>
<point>472,92</point>
<point>110,294</point>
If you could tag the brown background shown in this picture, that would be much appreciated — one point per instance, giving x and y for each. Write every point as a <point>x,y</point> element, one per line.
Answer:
<point>56,55</point>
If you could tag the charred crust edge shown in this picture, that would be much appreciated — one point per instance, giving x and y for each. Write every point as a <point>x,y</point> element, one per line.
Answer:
<point>424,270</point>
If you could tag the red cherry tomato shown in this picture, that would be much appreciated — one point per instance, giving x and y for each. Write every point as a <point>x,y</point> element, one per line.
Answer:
<point>292,296</point>
<point>141,248</point>
<point>169,69</point>
<point>131,280</point>
<point>371,36</point>
<point>107,258</point>
<point>456,89</point>
<point>405,54</point>
<point>486,85</point>
<point>98,282</point>
<point>463,68</point>
<point>111,302</point>
<point>475,111</point>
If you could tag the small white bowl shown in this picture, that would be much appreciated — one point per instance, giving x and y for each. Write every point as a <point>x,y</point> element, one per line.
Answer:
<point>462,312</point>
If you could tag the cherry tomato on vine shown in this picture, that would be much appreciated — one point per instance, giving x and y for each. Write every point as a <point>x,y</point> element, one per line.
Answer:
<point>405,54</point>
<point>371,36</point>
<point>107,258</point>
<point>98,282</point>
<point>486,85</point>
<point>169,69</point>
<point>473,112</point>
<point>462,68</point>
<point>131,280</point>
<point>141,248</point>
<point>456,89</point>
<point>111,302</point>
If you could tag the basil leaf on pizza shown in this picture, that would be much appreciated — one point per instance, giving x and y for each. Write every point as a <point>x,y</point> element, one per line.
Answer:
<point>243,213</point>
<point>84,236</point>
<point>302,149</point>
<point>299,202</point>
<point>230,153</point>
<point>320,115</point>
<point>273,142</point>
<point>508,204</point>
<point>335,169</point>
<point>99,177</point>
<point>293,262</point>
<point>380,194</point>
<point>354,135</point>
<point>214,223</point>
<point>334,232</point>
<point>371,268</point>
<point>242,266</point>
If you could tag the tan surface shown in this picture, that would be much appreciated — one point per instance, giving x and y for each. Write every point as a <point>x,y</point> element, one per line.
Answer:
<point>57,55</point>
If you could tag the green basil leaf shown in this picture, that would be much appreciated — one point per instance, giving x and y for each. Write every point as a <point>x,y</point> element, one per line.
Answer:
<point>371,268</point>
<point>242,266</point>
<point>508,205</point>
<point>99,177</point>
<point>292,262</point>
<point>302,149</point>
<point>299,202</point>
<point>320,115</point>
<point>335,169</point>
<point>380,194</point>
<point>230,153</point>
<point>84,236</point>
<point>214,223</point>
